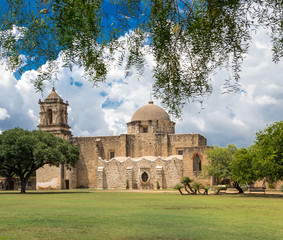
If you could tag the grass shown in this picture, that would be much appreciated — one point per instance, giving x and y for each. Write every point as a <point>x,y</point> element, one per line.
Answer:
<point>86,214</point>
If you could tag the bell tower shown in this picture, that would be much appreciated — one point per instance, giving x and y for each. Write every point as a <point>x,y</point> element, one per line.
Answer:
<point>54,119</point>
<point>54,116</point>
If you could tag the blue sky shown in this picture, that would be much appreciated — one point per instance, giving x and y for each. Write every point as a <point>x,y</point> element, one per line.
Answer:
<point>223,118</point>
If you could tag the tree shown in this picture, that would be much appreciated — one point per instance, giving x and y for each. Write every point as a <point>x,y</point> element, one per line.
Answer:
<point>269,152</point>
<point>220,160</point>
<point>244,167</point>
<point>263,160</point>
<point>188,39</point>
<point>23,152</point>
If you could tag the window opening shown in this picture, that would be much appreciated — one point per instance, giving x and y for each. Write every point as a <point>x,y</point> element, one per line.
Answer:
<point>49,116</point>
<point>112,155</point>
<point>144,177</point>
<point>144,129</point>
<point>196,165</point>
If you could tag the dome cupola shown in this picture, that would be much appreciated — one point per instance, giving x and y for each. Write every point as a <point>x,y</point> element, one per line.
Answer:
<point>150,118</point>
<point>150,112</point>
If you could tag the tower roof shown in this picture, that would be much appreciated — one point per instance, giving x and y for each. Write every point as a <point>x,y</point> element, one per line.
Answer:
<point>53,97</point>
<point>150,112</point>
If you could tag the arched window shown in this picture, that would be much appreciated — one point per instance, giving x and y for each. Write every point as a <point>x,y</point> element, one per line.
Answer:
<point>196,165</point>
<point>144,177</point>
<point>49,116</point>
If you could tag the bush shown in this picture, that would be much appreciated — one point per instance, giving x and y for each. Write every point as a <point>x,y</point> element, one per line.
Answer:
<point>127,184</point>
<point>281,188</point>
<point>245,187</point>
<point>157,185</point>
<point>178,187</point>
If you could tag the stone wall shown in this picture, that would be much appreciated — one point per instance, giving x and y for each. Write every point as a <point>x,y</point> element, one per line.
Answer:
<point>48,177</point>
<point>188,157</point>
<point>114,173</point>
<point>130,146</point>
<point>180,141</point>
<point>87,164</point>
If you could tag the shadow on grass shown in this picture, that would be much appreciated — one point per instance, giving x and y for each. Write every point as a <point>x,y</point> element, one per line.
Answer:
<point>43,192</point>
<point>266,195</point>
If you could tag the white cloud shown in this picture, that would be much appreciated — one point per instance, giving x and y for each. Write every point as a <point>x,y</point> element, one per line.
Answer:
<point>265,100</point>
<point>200,123</point>
<point>3,114</point>
<point>238,122</point>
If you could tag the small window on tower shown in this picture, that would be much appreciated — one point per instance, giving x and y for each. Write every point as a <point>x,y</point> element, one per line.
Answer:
<point>180,152</point>
<point>49,117</point>
<point>144,129</point>
<point>112,155</point>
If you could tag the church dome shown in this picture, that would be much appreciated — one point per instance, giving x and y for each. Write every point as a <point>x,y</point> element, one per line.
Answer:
<point>150,112</point>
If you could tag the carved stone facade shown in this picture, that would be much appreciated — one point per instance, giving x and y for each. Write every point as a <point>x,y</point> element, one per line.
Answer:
<point>141,173</point>
<point>150,152</point>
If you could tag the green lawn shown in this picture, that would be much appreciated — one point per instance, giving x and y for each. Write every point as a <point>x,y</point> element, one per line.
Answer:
<point>86,214</point>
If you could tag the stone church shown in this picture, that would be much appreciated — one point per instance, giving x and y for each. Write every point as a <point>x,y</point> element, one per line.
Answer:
<point>149,156</point>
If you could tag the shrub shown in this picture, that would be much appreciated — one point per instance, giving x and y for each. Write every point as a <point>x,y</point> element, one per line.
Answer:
<point>281,188</point>
<point>178,187</point>
<point>245,187</point>
<point>157,185</point>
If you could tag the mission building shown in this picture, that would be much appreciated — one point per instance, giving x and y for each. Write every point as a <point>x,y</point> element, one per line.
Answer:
<point>148,156</point>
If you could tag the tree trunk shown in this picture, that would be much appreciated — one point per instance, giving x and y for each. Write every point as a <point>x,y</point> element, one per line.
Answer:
<point>23,184</point>
<point>193,192</point>
<point>181,191</point>
<point>237,186</point>
<point>205,192</point>
<point>218,191</point>
<point>199,191</point>
<point>187,190</point>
